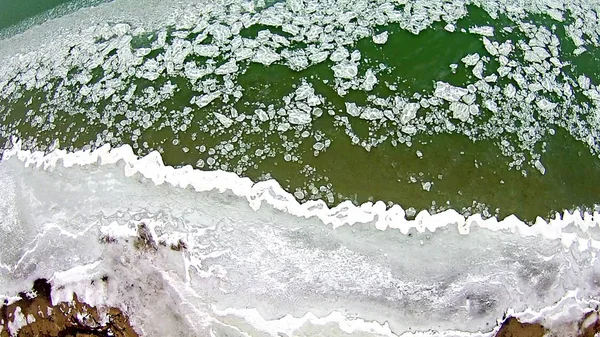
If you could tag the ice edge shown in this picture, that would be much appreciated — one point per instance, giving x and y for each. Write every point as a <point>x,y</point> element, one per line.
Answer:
<point>270,192</point>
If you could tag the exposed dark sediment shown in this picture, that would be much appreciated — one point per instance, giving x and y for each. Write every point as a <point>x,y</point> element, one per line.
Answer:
<point>78,319</point>
<point>75,318</point>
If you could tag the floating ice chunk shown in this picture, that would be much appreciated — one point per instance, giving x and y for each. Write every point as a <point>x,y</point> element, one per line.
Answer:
<point>219,32</point>
<point>206,50</point>
<point>409,112</point>
<point>469,98</point>
<point>545,104</point>
<point>490,47</point>
<point>347,70</point>
<point>298,61</point>
<point>339,54</point>
<point>226,121</point>
<point>297,116</point>
<point>205,100</point>
<point>409,129</point>
<point>353,110</point>
<point>450,27</point>
<point>491,78</point>
<point>471,59</point>
<point>555,14</point>
<point>579,51</point>
<point>380,38</point>
<point>262,115</point>
<point>283,127</point>
<point>318,57</point>
<point>474,109</point>
<point>313,33</point>
<point>265,56</point>
<point>536,54</point>
<point>491,105</point>
<point>482,30</point>
<point>584,82</point>
<point>503,71</point>
<point>318,146</point>
<point>227,68</point>
<point>426,185</point>
<point>304,91</point>
<point>369,113</point>
<point>243,53</point>
<point>295,5</point>
<point>505,48</point>
<point>478,70</point>
<point>592,94</point>
<point>459,111</point>
<point>538,165</point>
<point>290,29</point>
<point>370,80</point>
<point>449,92</point>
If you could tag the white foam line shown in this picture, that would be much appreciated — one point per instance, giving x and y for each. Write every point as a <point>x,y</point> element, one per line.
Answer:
<point>289,325</point>
<point>270,192</point>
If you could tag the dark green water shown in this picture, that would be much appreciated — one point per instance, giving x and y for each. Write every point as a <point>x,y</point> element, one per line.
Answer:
<point>434,170</point>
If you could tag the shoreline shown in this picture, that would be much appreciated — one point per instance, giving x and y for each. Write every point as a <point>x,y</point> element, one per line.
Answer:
<point>34,315</point>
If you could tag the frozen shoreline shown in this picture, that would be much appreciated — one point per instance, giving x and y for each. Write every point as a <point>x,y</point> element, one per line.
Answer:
<point>251,259</point>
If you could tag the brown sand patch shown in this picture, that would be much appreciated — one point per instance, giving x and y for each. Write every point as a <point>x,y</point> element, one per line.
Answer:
<point>78,319</point>
<point>74,319</point>
<point>513,328</point>
<point>588,326</point>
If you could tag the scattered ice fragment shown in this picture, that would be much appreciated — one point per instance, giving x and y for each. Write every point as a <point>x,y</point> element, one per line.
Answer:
<point>352,109</point>
<point>369,113</point>
<point>226,121</point>
<point>482,30</point>
<point>380,38</point>
<point>490,47</point>
<point>339,54</point>
<point>205,100</point>
<point>450,27</point>
<point>262,115</point>
<point>409,112</point>
<point>459,111</point>
<point>370,80</point>
<point>426,185</point>
<point>265,56</point>
<point>510,91</point>
<point>544,104</point>
<point>538,165</point>
<point>584,82</point>
<point>206,50</point>
<point>297,116</point>
<point>347,70</point>
<point>579,51</point>
<point>536,54</point>
<point>318,146</point>
<point>471,59</point>
<point>304,91</point>
<point>227,68</point>
<point>449,92</point>
<point>478,70</point>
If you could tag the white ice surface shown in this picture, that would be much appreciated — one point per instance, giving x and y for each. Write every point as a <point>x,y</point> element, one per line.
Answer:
<point>256,259</point>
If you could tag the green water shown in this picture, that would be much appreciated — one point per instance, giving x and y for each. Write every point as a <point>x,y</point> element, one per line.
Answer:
<point>437,171</point>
